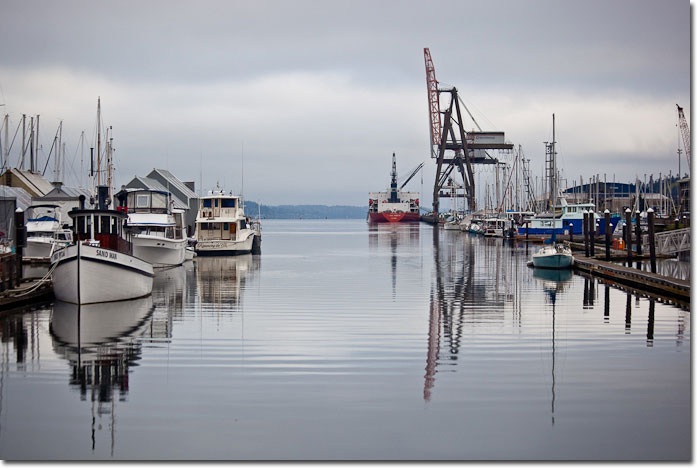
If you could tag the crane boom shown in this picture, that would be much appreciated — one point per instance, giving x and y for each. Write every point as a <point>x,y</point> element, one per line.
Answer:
<point>433,99</point>
<point>685,131</point>
<point>413,173</point>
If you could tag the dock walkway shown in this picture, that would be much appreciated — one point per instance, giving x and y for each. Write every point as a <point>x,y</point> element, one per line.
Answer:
<point>664,285</point>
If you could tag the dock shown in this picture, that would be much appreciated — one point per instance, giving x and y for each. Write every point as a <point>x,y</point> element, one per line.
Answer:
<point>663,285</point>
<point>28,293</point>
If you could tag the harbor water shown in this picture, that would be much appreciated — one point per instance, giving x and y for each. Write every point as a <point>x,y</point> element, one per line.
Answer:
<point>350,341</point>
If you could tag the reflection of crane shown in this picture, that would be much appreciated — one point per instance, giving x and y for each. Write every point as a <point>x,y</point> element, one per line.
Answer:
<point>686,133</point>
<point>413,173</point>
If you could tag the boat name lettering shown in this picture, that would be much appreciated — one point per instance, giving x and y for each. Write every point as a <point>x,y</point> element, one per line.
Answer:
<point>106,254</point>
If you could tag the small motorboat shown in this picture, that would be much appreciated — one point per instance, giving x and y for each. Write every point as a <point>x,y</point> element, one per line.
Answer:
<point>554,256</point>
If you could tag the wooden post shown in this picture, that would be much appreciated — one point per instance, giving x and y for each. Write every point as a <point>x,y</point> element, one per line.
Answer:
<point>585,231</point>
<point>20,243</point>
<point>638,227</point>
<point>628,235</point>
<point>591,232</point>
<point>571,231</point>
<point>652,242</point>
<point>608,235</point>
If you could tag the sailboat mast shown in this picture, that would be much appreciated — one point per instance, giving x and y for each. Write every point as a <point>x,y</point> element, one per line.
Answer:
<point>98,141</point>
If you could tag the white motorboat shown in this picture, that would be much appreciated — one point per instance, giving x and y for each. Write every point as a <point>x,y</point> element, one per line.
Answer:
<point>45,232</point>
<point>222,227</point>
<point>158,231</point>
<point>553,256</point>
<point>99,266</point>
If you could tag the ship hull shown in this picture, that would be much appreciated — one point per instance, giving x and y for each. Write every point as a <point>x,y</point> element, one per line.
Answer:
<point>393,217</point>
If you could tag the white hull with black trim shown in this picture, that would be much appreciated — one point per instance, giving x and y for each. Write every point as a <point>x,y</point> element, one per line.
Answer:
<point>85,274</point>
<point>159,251</point>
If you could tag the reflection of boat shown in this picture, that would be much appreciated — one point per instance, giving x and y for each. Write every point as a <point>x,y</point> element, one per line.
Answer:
<point>99,266</point>
<point>221,279</point>
<point>89,326</point>
<point>554,256</point>
<point>553,275</point>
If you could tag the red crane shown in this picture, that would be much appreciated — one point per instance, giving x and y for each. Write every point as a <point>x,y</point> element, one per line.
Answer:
<point>433,98</point>
<point>686,133</point>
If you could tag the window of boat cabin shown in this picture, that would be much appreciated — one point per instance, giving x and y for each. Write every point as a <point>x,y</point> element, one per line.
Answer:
<point>143,201</point>
<point>160,201</point>
<point>206,202</point>
<point>170,233</point>
<point>228,203</point>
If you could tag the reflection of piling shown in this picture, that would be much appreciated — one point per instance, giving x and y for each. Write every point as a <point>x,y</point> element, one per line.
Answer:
<point>585,232</point>
<point>650,324</point>
<point>652,242</point>
<point>628,314</point>
<point>606,305</point>
<point>608,235</point>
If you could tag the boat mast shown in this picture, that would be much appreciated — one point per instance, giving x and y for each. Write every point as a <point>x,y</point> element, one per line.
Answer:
<point>98,141</point>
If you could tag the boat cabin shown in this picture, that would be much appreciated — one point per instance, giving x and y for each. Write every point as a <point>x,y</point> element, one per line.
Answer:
<point>147,201</point>
<point>140,203</point>
<point>103,228</point>
<point>220,217</point>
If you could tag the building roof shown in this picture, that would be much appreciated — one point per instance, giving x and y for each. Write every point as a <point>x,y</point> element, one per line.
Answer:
<point>174,184</point>
<point>61,191</point>
<point>143,182</point>
<point>23,198</point>
<point>34,181</point>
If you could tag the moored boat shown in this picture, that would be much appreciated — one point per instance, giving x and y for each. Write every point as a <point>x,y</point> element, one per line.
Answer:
<point>394,205</point>
<point>45,231</point>
<point>99,265</point>
<point>553,256</point>
<point>158,231</point>
<point>222,226</point>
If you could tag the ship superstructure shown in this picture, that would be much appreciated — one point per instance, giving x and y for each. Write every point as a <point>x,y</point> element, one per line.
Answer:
<point>394,205</point>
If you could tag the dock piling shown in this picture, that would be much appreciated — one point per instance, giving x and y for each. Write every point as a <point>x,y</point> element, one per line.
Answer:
<point>585,232</point>
<point>607,235</point>
<point>20,243</point>
<point>639,233</point>
<point>591,233</point>
<point>628,235</point>
<point>652,242</point>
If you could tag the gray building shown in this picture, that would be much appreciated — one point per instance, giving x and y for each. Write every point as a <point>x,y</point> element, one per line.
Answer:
<point>183,193</point>
<point>10,200</point>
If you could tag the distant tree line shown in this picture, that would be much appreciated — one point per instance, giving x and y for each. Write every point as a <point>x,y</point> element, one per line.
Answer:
<point>305,211</point>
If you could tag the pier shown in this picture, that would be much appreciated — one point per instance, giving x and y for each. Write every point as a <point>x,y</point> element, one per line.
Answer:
<point>645,281</point>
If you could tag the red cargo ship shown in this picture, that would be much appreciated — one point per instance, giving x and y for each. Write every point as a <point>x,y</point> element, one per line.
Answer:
<point>394,205</point>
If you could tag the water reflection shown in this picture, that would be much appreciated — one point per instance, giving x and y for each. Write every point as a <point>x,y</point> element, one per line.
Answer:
<point>101,344</point>
<point>554,283</point>
<point>398,238</point>
<point>221,279</point>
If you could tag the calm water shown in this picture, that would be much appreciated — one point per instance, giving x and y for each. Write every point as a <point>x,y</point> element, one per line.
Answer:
<point>347,342</point>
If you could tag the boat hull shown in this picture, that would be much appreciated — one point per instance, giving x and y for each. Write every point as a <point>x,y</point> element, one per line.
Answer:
<point>158,251</point>
<point>553,261</point>
<point>575,224</point>
<point>84,274</point>
<point>225,247</point>
<point>392,217</point>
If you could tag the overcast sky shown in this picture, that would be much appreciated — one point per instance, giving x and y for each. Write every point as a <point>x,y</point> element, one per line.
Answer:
<point>316,95</point>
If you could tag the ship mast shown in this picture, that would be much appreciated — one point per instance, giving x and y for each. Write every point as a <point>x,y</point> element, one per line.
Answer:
<point>394,197</point>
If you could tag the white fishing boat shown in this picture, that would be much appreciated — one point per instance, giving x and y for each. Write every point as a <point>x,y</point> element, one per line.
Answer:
<point>158,231</point>
<point>45,231</point>
<point>99,265</point>
<point>553,256</point>
<point>222,227</point>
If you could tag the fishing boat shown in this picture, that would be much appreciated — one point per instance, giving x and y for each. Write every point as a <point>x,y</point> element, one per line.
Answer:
<point>158,231</point>
<point>222,227</point>
<point>553,256</point>
<point>45,231</point>
<point>394,205</point>
<point>99,266</point>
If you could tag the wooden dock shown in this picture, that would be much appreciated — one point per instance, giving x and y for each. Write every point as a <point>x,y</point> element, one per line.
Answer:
<point>645,281</point>
<point>28,293</point>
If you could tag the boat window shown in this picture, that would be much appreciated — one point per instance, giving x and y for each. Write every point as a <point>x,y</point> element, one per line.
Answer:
<point>228,203</point>
<point>104,225</point>
<point>206,203</point>
<point>170,233</point>
<point>204,226</point>
<point>115,225</point>
<point>216,203</point>
<point>225,225</point>
<point>215,227</point>
<point>159,201</point>
<point>142,200</point>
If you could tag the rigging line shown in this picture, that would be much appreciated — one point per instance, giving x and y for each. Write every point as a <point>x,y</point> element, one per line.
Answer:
<point>13,142</point>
